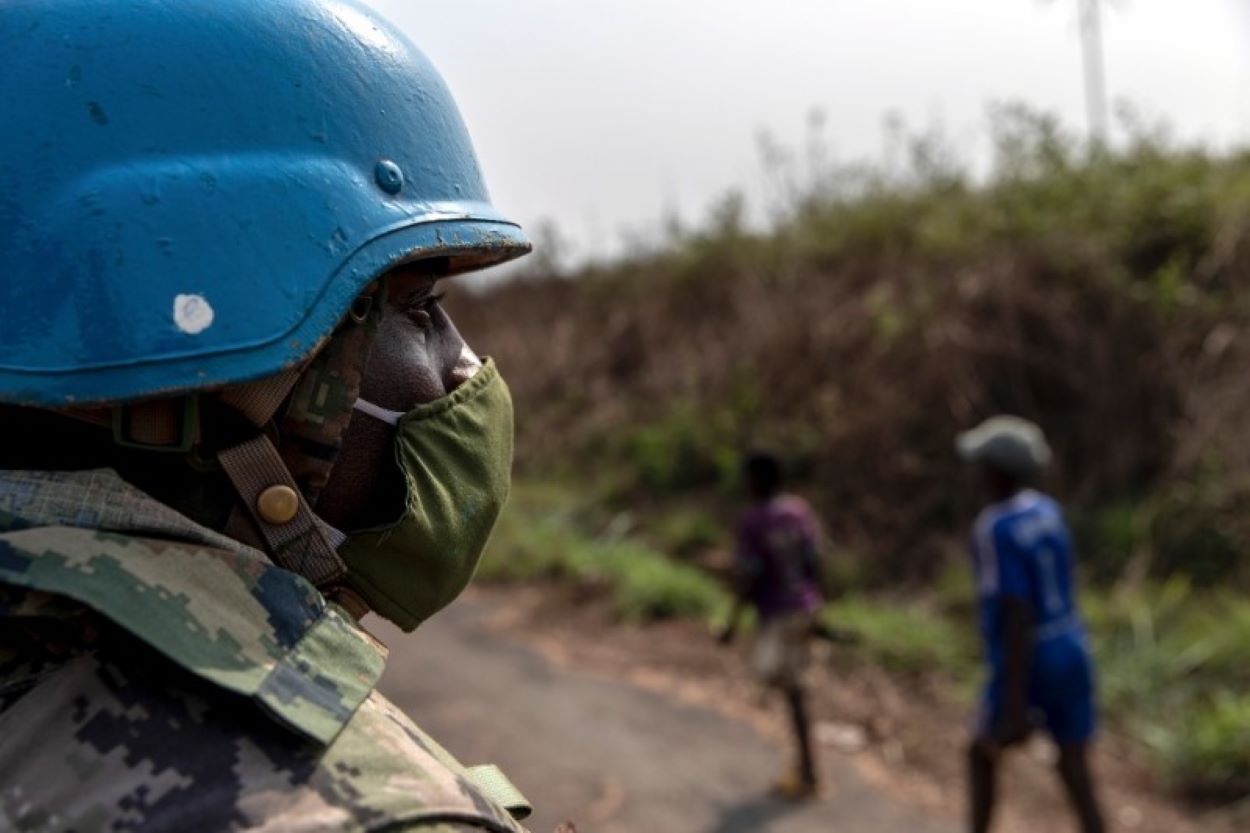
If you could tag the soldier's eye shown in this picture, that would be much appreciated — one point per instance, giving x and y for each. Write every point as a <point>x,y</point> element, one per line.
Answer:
<point>421,309</point>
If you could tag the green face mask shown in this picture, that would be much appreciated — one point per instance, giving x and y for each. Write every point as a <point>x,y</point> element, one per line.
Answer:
<point>456,456</point>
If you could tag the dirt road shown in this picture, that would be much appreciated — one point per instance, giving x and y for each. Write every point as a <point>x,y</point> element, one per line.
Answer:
<point>613,757</point>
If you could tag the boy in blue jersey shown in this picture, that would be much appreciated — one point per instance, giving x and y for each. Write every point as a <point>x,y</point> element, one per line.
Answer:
<point>1040,671</point>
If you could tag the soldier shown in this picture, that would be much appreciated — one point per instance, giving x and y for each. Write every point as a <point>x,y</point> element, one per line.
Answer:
<point>235,417</point>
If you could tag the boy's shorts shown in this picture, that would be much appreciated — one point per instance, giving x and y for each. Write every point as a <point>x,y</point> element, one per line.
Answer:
<point>1061,695</point>
<point>781,651</point>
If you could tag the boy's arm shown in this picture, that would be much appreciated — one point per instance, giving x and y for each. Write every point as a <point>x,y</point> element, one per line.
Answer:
<point>1017,625</point>
<point>743,584</point>
<point>815,562</point>
<point>1016,619</point>
<point>744,578</point>
<point>813,549</point>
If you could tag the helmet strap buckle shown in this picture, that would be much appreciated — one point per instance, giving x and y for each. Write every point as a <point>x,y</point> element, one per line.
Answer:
<point>164,425</point>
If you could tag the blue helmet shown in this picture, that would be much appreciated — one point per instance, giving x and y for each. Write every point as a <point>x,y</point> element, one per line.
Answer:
<point>192,192</point>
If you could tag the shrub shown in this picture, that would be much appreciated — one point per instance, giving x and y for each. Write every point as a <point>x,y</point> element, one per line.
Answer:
<point>1208,755</point>
<point>543,535</point>
<point>688,531</point>
<point>905,636</point>
<point>647,586</point>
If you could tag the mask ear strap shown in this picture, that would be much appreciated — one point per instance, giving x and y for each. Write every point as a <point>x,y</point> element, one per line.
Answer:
<point>378,412</point>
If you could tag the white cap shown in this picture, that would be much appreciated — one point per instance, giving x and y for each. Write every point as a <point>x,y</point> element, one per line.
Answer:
<point>1010,444</point>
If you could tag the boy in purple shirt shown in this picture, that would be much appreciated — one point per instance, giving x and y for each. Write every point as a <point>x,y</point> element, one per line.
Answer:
<point>778,574</point>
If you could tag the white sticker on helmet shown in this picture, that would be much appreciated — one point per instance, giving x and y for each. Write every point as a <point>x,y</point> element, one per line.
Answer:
<point>193,314</point>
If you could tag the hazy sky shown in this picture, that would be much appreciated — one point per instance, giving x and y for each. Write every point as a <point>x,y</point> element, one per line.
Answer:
<point>602,115</point>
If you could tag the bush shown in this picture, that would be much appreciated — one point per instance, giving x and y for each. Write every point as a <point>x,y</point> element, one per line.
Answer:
<point>535,533</point>
<point>648,586</point>
<point>687,448</point>
<point>1171,663</point>
<point>1195,533</point>
<point>1209,757</point>
<point>686,532</point>
<point>1110,538</point>
<point>543,535</point>
<point>905,636</point>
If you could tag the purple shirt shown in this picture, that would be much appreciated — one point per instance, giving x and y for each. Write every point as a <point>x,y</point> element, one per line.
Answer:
<point>778,543</point>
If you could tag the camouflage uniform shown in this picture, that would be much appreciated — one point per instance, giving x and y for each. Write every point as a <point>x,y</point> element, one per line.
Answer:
<point>156,675</point>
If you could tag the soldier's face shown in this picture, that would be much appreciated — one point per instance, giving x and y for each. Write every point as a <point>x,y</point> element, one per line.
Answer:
<point>418,357</point>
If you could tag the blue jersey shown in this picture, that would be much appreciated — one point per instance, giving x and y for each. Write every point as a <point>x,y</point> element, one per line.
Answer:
<point>1021,547</point>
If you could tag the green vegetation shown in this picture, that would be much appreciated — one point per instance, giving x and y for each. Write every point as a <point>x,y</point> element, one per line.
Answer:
<point>541,536</point>
<point>1103,292</point>
<point>1173,670</point>
<point>903,635</point>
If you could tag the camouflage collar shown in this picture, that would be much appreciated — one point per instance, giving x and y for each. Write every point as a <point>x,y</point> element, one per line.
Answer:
<point>100,500</point>
<point>219,609</point>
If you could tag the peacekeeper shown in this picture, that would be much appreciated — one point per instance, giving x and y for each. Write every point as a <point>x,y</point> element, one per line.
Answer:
<point>235,418</point>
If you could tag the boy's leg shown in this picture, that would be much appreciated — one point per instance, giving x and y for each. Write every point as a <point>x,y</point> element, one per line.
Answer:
<point>797,701</point>
<point>1079,783</point>
<point>982,784</point>
<point>983,758</point>
<point>788,640</point>
<point>1072,720</point>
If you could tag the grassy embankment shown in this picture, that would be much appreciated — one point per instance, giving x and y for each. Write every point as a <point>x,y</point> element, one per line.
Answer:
<point>1105,294</point>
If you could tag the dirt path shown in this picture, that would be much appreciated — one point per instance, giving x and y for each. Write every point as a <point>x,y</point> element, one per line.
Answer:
<point>613,756</point>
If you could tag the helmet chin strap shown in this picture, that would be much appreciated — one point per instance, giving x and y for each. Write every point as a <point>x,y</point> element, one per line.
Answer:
<point>272,514</point>
<point>279,484</point>
<point>292,534</point>
<point>276,484</point>
<point>163,425</point>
